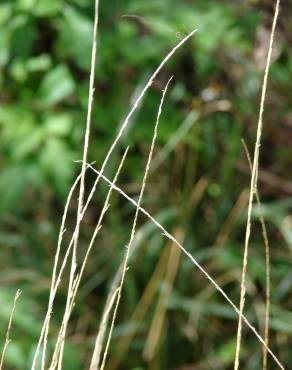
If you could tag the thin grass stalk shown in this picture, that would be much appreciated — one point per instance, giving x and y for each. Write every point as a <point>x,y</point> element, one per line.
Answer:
<point>133,231</point>
<point>56,359</point>
<point>134,108</point>
<point>45,327</point>
<point>253,185</point>
<point>267,264</point>
<point>95,360</point>
<point>196,263</point>
<point>141,309</point>
<point>123,127</point>
<point>231,219</point>
<point>85,152</point>
<point>156,327</point>
<point>7,338</point>
<point>102,328</point>
<point>56,279</point>
<point>53,294</point>
<point>60,238</point>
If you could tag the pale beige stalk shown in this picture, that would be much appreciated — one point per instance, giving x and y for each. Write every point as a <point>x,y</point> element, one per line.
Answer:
<point>134,108</point>
<point>267,264</point>
<point>102,328</point>
<point>7,339</point>
<point>232,218</point>
<point>196,263</point>
<point>133,231</point>
<point>141,309</point>
<point>82,180</point>
<point>46,324</point>
<point>123,127</point>
<point>152,284</point>
<point>156,327</point>
<point>75,286</point>
<point>95,360</point>
<point>253,186</point>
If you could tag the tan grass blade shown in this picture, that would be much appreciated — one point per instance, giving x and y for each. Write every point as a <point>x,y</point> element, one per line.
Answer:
<point>160,311</point>
<point>95,360</point>
<point>267,264</point>
<point>231,219</point>
<point>7,339</point>
<point>102,329</point>
<point>253,186</point>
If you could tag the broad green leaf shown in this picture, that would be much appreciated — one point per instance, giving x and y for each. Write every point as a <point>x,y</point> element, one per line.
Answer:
<point>15,355</point>
<point>29,144</point>
<point>58,124</point>
<point>47,8</point>
<point>56,160</point>
<point>57,85</point>
<point>75,37</point>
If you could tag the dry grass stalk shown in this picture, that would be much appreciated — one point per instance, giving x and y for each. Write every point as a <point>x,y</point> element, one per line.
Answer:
<point>267,264</point>
<point>7,338</point>
<point>45,328</point>
<point>196,263</point>
<point>150,290</point>
<point>133,230</point>
<point>141,309</point>
<point>102,328</point>
<point>95,360</point>
<point>61,336</point>
<point>134,108</point>
<point>231,219</point>
<point>160,311</point>
<point>81,177</point>
<point>84,208</point>
<point>253,186</point>
<point>83,167</point>
<point>46,324</point>
<point>56,279</point>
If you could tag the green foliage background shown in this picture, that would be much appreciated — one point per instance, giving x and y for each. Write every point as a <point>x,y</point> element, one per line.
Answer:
<point>45,48</point>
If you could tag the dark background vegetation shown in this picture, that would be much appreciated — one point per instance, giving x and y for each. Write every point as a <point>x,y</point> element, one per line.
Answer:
<point>198,189</point>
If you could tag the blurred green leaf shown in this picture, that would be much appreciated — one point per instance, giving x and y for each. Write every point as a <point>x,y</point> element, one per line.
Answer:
<point>47,8</point>
<point>58,124</point>
<point>226,351</point>
<point>15,356</point>
<point>57,163</point>
<point>75,34</point>
<point>57,85</point>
